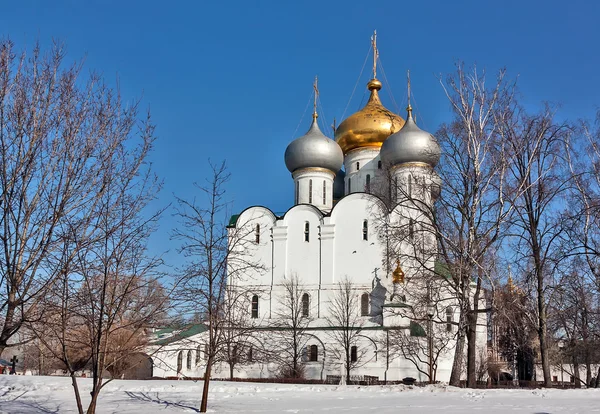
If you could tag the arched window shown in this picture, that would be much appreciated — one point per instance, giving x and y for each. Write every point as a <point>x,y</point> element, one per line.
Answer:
<point>189,360</point>
<point>257,234</point>
<point>449,319</point>
<point>309,191</point>
<point>250,356</point>
<point>198,354</point>
<point>324,192</point>
<point>357,165</point>
<point>297,191</point>
<point>255,307</point>
<point>409,186</point>
<point>364,304</point>
<point>379,164</point>
<point>365,230</point>
<point>305,305</point>
<point>368,184</point>
<point>349,185</point>
<point>306,231</point>
<point>179,361</point>
<point>354,354</point>
<point>411,230</point>
<point>314,353</point>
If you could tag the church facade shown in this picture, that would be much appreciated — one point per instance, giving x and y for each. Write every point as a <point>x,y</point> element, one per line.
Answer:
<point>361,218</point>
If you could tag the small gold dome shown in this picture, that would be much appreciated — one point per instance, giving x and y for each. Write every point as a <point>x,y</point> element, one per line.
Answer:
<point>370,126</point>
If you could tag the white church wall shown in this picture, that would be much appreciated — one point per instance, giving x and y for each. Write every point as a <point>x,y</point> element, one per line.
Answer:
<point>355,257</point>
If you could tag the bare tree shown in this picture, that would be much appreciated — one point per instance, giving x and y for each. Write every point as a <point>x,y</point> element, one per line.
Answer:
<point>346,325</point>
<point>455,237</point>
<point>287,343</point>
<point>473,210</point>
<point>108,291</point>
<point>539,147</point>
<point>52,126</point>
<point>215,255</point>
<point>431,329</point>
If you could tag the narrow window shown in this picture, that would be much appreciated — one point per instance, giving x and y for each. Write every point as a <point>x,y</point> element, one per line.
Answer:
<point>365,230</point>
<point>198,354</point>
<point>349,185</point>
<point>357,165</point>
<point>297,192</point>
<point>395,190</point>
<point>309,191</point>
<point>234,355</point>
<point>409,186</point>
<point>306,231</point>
<point>305,305</point>
<point>257,234</point>
<point>354,354</point>
<point>250,356</point>
<point>314,353</point>
<point>255,307</point>
<point>364,304</point>
<point>368,185</point>
<point>324,192</point>
<point>189,360</point>
<point>379,164</point>
<point>411,230</point>
<point>449,319</point>
<point>179,361</point>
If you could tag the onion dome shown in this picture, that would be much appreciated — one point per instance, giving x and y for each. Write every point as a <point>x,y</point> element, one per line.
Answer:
<point>314,150</point>
<point>339,185</point>
<point>410,144</point>
<point>370,126</point>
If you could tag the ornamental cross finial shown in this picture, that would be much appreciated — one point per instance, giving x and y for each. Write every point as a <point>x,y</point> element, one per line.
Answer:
<point>375,53</point>
<point>408,108</point>
<point>316,89</point>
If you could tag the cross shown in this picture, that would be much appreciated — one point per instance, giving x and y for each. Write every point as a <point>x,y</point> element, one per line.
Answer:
<point>316,88</point>
<point>375,53</point>
<point>375,278</point>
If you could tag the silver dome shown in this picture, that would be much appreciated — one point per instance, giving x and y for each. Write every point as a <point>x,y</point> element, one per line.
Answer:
<point>339,185</point>
<point>314,150</point>
<point>410,144</point>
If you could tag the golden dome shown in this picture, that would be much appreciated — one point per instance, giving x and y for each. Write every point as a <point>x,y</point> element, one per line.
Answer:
<point>370,126</point>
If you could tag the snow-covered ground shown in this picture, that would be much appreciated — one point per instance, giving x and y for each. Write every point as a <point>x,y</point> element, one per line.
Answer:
<point>26,394</point>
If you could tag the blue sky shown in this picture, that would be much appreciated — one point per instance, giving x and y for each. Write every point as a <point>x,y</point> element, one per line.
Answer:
<point>231,79</point>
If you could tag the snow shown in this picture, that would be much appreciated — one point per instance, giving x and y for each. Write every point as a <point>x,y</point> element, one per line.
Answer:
<point>28,394</point>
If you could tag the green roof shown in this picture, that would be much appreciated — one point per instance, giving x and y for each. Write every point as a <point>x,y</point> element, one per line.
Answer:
<point>441,269</point>
<point>417,330</point>
<point>233,220</point>
<point>167,335</point>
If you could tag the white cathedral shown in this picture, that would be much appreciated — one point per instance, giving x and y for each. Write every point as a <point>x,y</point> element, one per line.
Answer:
<point>359,224</point>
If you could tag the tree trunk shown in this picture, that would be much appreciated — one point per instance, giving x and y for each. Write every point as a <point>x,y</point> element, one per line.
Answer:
<point>348,362</point>
<point>204,402</point>
<point>231,366</point>
<point>77,395</point>
<point>542,332</point>
<point>471,349</point>
<point>458,359</point>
